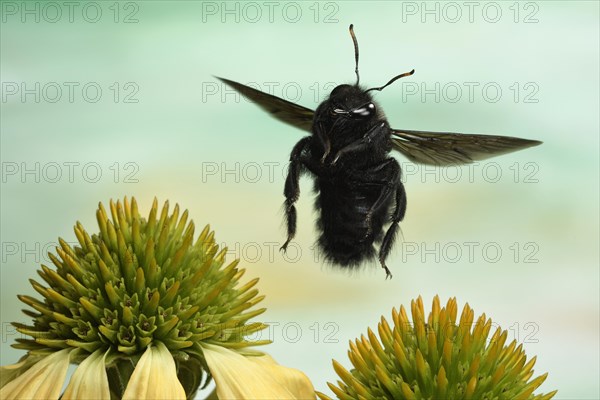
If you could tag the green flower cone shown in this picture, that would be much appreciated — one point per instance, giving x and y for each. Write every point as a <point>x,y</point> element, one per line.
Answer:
<point>436,358</point>
<point>139,306</point>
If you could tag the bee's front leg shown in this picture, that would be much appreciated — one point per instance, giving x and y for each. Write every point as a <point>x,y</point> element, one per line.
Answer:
<point>363,142</point>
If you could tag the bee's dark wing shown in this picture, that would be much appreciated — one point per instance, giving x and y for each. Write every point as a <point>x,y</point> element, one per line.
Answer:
<point>443,148</point>
<point>283,110</point>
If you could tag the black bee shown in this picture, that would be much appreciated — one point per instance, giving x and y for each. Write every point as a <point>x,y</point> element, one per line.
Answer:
<point>358,184</point>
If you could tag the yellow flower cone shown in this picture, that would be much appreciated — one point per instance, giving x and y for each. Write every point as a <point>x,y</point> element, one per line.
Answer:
<point>134,305</point>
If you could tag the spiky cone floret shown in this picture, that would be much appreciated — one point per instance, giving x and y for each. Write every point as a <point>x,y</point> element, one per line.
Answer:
<point>139,306</point>
<point>436,358</point>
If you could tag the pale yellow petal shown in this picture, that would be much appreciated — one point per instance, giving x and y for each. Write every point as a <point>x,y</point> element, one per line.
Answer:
<point>10,372</point>
<point>43,380</point>
<point>240,377</point>
<point>155,376</point>
<point>89,380</point>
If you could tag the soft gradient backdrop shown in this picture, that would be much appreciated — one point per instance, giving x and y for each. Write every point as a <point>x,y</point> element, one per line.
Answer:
<point>108,99</point>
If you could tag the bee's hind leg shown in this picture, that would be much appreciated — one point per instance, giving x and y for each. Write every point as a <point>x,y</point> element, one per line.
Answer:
<point>387,176</point>
<point>390,235</point>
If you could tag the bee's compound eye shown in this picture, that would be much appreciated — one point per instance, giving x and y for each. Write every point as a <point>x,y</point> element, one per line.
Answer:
<point>364,111</point>
<point>335,111</point>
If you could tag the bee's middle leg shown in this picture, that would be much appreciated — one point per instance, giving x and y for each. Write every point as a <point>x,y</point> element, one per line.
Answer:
<point>292,188</point>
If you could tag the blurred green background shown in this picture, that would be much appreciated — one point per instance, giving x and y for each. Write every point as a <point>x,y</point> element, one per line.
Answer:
<point>102,100</point>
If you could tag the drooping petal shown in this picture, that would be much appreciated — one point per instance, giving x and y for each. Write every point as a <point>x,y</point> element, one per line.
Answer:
<point>10,372</point>
<point>155,376</point>
<point>43,380</point>
<point>239,377</point>
<point>89,380</point>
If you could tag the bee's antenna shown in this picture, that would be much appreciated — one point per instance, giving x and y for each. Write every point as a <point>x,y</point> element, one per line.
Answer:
<point>391,81</point>
<point>355,52</point>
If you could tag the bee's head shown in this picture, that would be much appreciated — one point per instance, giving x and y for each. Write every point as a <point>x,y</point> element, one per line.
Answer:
<point>352,100</point>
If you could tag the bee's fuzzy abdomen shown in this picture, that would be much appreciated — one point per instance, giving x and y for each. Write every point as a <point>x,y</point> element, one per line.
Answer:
<point>346,237</point>
<point>346,254</point>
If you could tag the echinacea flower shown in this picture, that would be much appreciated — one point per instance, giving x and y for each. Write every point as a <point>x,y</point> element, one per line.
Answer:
<point>147,313</point>
<point>436,358</point>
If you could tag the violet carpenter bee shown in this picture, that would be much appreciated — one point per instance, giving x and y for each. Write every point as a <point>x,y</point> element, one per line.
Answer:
<point>358,185</point>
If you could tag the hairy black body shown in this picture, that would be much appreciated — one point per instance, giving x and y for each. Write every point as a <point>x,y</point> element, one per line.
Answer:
<point>358,185</point>
<point>356,181</point>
